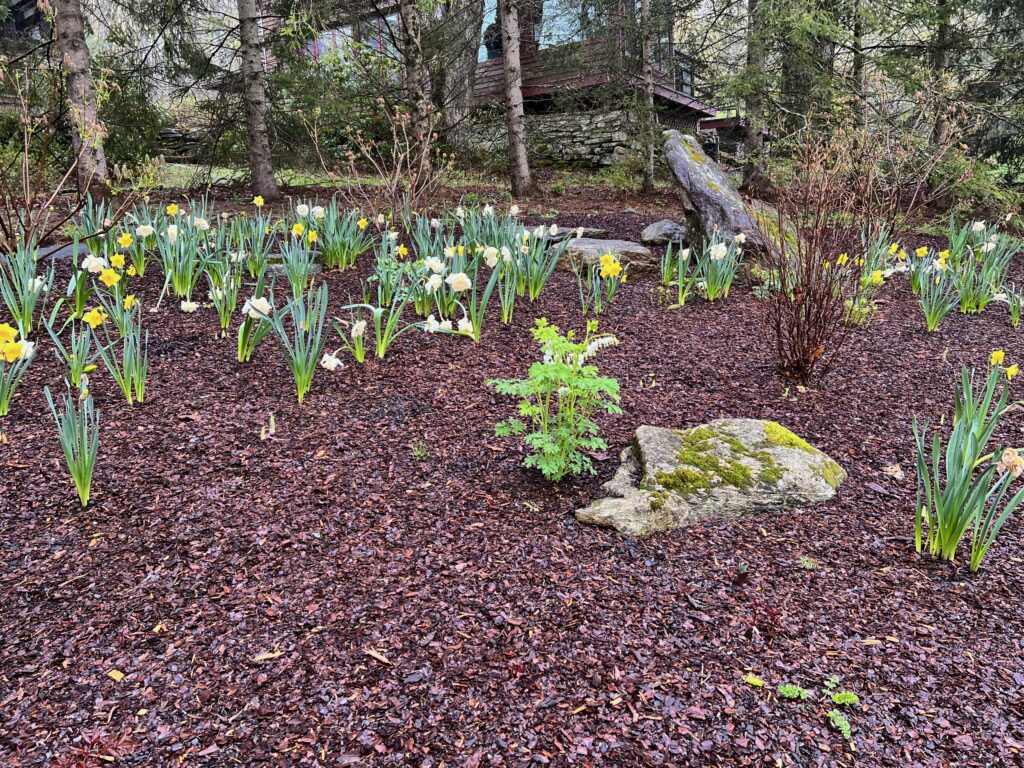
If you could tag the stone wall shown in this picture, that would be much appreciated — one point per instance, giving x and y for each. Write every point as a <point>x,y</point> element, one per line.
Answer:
<point>589,139</point>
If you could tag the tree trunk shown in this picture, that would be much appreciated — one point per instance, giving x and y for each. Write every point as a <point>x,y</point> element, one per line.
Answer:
<point>415,82</point>
<point>940,64</point>
<point>261,167</point>
<point>650,117</point>
<point>522,180</point>
<point>454,42</point>
<point>755,179</point>
<point>87,131</point>
<point>860,84</point>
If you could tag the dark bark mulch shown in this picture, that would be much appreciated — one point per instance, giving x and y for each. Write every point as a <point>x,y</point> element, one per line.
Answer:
<point>324,597</point>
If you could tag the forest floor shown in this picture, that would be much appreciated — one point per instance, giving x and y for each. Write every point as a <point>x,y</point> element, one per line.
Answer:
<point>380,582</point>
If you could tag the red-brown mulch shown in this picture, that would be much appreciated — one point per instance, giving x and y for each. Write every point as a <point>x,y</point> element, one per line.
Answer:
<point>324,597</point>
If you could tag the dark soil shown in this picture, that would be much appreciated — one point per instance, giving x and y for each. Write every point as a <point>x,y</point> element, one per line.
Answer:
<point>324,597</point>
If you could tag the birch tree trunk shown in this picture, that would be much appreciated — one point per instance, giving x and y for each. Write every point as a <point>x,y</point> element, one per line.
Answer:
<point>522,180</point>
<point>261,167</point>
<point>650,118</point>
<point>754,174</point>
<point>87,132</point>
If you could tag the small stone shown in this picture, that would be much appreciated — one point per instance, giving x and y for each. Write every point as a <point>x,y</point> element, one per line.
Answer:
<point>663,232</point>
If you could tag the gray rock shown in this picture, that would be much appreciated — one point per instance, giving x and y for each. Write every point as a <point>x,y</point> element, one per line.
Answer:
<point>672,478</point>
<point>663,232</point>
<point>565,233</point>
<point>712,202</point>
<point>589,250</point>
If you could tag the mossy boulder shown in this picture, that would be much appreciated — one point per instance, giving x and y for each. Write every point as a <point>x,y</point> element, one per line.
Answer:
<point>670,478</point>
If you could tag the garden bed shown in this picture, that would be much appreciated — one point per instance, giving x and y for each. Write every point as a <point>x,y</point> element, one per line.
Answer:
<point>380,582</point>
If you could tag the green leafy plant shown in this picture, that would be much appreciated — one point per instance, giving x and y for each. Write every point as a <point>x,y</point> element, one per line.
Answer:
<point>131,368</point>
<point>538,256</point>
<point>559,399</point>
<point>955,490</point>
<point>297,262</point>
<point>78,356</point>
<point>78,427</point>
<point>255,326</point>
<point>840,722</point>
<point>224,278</point>
<point>845,698</point>
<point>386,326</point>
<point>598,282</point>
<point>302,340</point>
<point>791,691</point>
<point>21,287</point>
<point>717,265</point>
<point>1015,303</point>
<point>937,297</point>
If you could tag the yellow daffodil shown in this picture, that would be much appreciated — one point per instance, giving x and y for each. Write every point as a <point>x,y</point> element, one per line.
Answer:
<point>997,357</point>
<point>403,251</point>
<point>1012,372</point>
<point>258,201</point>
<point>876,277</point>
<point>893,248</point>
<point>612,269</point>
<point>842,259</point>
<point>12,350</point>
<point>461,250</point>
<point>362,223</point>
<point>7,333</point>
<point>921,252</point>
<point>943,255</point>
<point>607,259</point>
<point>298,228</point>
<point>129,301</point>
<point>109,278</point>
<point>117,260</point>
<point>312,236</point>
<point>125,240</point>
<point>858,262</point>
<point>172,209</point>
<point>95,317</point>
<point>132,272</point>
<point>902,255</point>
<point>827,265</point>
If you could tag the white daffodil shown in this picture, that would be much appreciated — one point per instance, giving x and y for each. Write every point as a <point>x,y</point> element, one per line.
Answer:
<point>465,326</point>
<point>94,264</point>
<point>28,348</point>
<point>393,235</point>
<point>488,210</point>
<point>319,213</point>
<point>539,231</point>
<point>435,223</point>
<point>237,257</point>
<point>257,308</point>
<point>459,282</point>
<point>38,285</point>
<point>358,329</point>
<point>506,254</point>
<point>201,224</point>
<point>434,264</point>
<point>685,253</point>
<point>302,210</point>
<point>380,219</point>
<point>988,247</point>
<point>434,283</point>
<point>449,252</point>
<point>444,325</point>
<point>553,230</point>
<point>740,238</point>
<point>513,210</point>
<point>491,256</point>
<point>331,361</point>
<point>719,251</point>
<point>1009,218</point>
<point>430,325</point>
<point>460,212</point>
<point>978,227</point>
<point>188,307</point>
<point>172,232</point>
<point>216,294</point>
<point>579,232</point>
<point>144,230</point>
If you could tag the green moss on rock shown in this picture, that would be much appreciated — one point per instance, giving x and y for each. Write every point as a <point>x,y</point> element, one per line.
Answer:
<point>830,472</point>
<point>776,434</point>
<point>702,468</point>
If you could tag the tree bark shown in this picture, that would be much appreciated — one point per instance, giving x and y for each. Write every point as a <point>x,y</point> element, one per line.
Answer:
<point>940,64</point>
<point>87,133</point>
<point>860,84</point>
<point>261,167</point>
<point>755,179</point>
<point>415,81</point>
<point>522,179</point>
<point>650,117</point>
